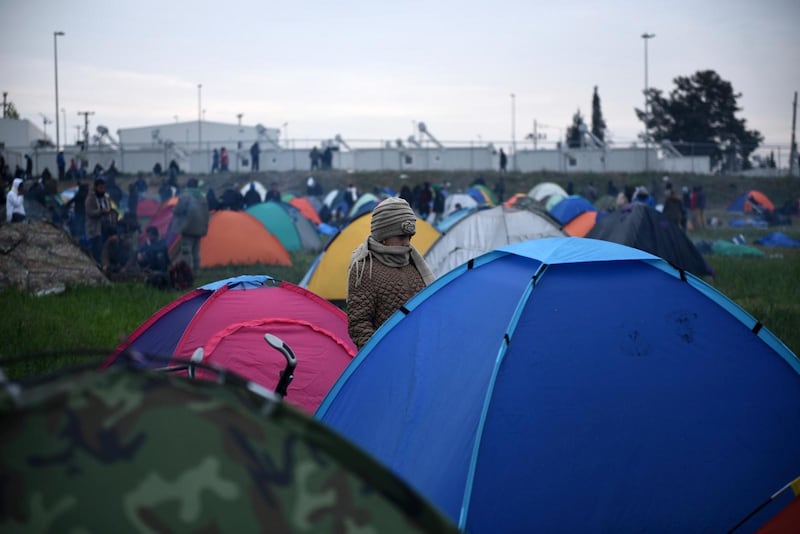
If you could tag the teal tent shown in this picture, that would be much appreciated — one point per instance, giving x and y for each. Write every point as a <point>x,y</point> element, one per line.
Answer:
<point>294,231</point>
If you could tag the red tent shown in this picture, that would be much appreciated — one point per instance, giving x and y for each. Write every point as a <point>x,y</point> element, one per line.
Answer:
<point>229,318</point>
<point>306,209</point>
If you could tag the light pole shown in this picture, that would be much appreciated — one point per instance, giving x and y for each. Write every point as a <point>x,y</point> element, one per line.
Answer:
<point>64,116</point>
<point>513,133</point>
<point>646,36</point>
<point>199,117</point>
<point>45,122</point>
<point>286,133</point>
<point>55,58</point>
<point>239,142</point>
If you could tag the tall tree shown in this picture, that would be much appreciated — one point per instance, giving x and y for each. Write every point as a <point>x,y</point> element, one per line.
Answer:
<point>701,111</point>
<point>575,131</point>
<point>11,111</point>
<point>598,123</point>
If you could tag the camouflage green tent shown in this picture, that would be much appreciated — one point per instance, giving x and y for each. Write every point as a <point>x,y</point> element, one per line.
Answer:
<point>126,450</point>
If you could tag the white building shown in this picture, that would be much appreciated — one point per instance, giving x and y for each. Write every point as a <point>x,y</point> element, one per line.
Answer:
<point>191,145</point>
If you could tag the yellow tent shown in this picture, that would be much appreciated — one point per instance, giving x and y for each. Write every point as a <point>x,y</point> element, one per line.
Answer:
<point>327,277</point>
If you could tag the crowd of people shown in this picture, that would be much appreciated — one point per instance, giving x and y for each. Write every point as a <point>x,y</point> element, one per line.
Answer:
<point>103,218</point>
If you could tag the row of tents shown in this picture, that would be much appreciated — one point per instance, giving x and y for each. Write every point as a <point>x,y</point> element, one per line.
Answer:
<point>470,232</point>
<point>265,233</point>
<point>269,232</point>
<point>541,382</point>
<point>606,390</point>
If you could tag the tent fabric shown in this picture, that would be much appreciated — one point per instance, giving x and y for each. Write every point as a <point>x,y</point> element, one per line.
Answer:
<point>570,207</point>
<point>582,224</point>
<point>553,200</point>
<point>162,220</point>
<point>229,318</point>
<point>464,199</point>
<point>327,276</point>
<point>365,203</point>
<point>333,196</point>
<point>482,195</point>
<point>576,385</point>
<point>483,230</point>
<point>310,239</point>
<point>68,194</point>
<point>238,238</point>
<point>742,204</point>
<point>276,219</point>
<point>540,192</point>
<point>488,194</point>
<point>147,207</point>
<point>778,239</point>
<point>306,208</point>
<point>640,226</point>
<point>445,224</point>
<point>258,186</point>
<point>129,450</point>
<point>512,201</point>
<point>285,222</point>
<point>727,248</point>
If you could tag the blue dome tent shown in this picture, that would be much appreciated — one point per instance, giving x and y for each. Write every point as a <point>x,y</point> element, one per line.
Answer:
<point>577,385</point>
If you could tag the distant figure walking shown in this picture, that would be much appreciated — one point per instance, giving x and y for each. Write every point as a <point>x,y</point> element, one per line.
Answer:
<point>223,159</point>
<point>215,161</point>
<point>190,219</point>
<point>314,156</point>
<point>255,154</point>
<point>503,161</point>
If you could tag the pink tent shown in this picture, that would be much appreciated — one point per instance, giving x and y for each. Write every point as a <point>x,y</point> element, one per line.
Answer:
<point>229,318</point>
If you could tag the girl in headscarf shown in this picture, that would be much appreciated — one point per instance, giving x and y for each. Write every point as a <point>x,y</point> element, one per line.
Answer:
<point>385,271</point>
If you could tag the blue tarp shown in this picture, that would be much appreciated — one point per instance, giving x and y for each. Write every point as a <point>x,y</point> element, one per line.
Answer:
<point>577,385</point>
<point>571,207</point>
<point>778,239</point>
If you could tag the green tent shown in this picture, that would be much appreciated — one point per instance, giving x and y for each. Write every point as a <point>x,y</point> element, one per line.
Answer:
<point>132,450</point>
<point>285,222</point>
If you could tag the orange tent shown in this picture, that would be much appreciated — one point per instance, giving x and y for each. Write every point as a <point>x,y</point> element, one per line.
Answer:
<point>743,205</point>
<point>513,200</point>
<point>306,209</point>
<point>580,225</point>
<point>238,238</point>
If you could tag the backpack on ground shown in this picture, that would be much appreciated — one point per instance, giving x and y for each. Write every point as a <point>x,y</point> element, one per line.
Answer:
<point>181,275</point>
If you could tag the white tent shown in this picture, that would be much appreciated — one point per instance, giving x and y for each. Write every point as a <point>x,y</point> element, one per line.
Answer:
<point>545,189</point>
<point>484,230</point>
<point>259,187</point>
<point>452,199</point>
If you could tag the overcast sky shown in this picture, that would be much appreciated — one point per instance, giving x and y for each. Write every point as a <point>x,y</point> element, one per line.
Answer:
<point>373,69</point>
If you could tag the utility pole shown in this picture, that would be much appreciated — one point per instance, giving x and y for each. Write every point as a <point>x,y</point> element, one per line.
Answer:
<point>793,147</point>
<point>85,129</point>
<point>513,132</point>
<point>646,36</point>
<point>5,95</point>
<point>55,62</point>
<point>199,117</point>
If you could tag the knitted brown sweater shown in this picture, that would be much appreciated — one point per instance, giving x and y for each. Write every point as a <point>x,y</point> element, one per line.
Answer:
<point>378,296</point>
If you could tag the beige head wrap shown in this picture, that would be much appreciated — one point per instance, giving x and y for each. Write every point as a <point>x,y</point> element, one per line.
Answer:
<point>392,217</point>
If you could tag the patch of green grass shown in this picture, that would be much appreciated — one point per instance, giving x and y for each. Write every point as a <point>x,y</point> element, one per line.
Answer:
<point>90,321</point>
<point>82,320</point>
<point>767,288</point>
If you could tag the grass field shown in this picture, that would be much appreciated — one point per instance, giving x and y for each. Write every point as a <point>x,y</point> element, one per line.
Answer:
<point>98,318</point>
